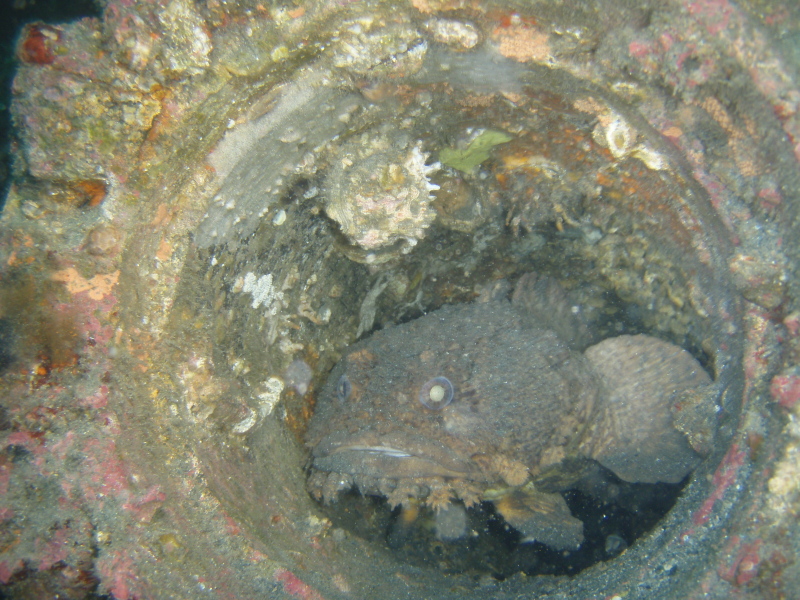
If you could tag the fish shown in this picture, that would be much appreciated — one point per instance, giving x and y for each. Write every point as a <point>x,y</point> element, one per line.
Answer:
<point>508,402</point>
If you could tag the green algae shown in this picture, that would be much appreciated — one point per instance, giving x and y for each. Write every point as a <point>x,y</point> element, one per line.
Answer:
<point>474,154</point>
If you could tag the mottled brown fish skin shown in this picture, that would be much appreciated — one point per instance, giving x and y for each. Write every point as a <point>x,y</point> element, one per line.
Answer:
<point>521,398</point>
<point>485,402</point>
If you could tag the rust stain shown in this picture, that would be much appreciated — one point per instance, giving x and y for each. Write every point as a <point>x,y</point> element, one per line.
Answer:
<point>164,251</point>
<point>37,45</point>
<point>603,179</point>
<point>90,192</point>
<point>163,215</point>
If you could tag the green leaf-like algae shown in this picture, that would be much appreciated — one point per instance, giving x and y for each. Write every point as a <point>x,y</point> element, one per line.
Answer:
<point>475,153</point>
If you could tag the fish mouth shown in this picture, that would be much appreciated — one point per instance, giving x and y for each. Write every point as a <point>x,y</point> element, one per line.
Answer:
<point>397,455</point>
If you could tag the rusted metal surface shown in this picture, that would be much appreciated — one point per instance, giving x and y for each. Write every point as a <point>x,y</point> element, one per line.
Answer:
<point>169,257</point>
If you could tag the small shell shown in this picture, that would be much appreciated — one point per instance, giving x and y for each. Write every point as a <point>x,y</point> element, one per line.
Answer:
<point>279,218</point>
<point>651,158</point>
<point>620,137</point>
<point>459,35</point>
<point>436,393</point>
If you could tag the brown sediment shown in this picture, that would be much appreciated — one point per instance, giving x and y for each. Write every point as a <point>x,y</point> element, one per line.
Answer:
<point>42,331</point>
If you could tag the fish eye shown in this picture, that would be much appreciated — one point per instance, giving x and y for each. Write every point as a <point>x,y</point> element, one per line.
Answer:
<point>436,393</point>
<point>343,388</point>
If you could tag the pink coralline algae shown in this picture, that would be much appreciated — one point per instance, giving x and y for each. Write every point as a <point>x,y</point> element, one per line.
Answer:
<point>785,390</point>
<point>724,477</point>
<point>715,14</point>
<point>744,566</point>
<point>117,571</point>
<point>295,587</point>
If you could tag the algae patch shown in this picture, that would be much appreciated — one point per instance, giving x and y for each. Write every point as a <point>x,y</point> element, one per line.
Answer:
<point>478,151</point>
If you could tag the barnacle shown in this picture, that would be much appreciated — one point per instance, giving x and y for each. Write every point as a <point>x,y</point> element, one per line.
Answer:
<point>619,137</point>
<point>379,192</point>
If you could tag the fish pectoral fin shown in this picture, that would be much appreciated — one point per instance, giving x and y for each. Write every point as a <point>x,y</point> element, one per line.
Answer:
<point>541,517</point>
<point>659,414</point>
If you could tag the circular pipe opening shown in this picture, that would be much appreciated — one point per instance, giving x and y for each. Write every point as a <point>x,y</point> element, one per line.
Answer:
<point>434,187</point>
